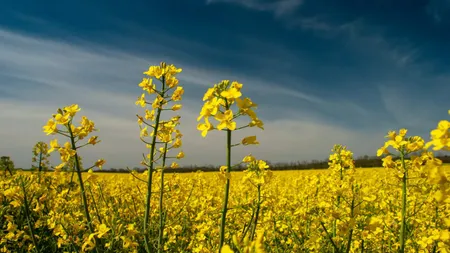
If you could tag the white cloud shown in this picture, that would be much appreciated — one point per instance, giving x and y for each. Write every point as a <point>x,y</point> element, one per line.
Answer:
<point>39,75</point>
<point>407,106</point>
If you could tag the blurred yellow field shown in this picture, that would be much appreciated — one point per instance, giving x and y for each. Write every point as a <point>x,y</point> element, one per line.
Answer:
<point>294,206</point>
<point>285,174</point>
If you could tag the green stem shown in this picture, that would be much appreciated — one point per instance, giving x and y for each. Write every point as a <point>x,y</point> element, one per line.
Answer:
<point>27,214</point>
<point>95,205</point>
<point>150,176</point>
<point>226,192</point>
<point>350,233</point>
<point>335,247</point>
<point>40,165</point>
<point>338,201</point>
<point>258,207</point>
<point>404,202</point>
<point>247,228</point>
<point>40,161</point>
<point>436,221</point>
<point>80,179</point>
<point>161,210</point>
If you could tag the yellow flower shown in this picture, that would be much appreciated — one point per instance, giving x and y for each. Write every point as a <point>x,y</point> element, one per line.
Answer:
<point>209,94</point>
<point>226,249</point>
<point>72,109</point>
<point>147,85</point>
<point>250,140</point>
<point>93,140</point>
<point>236,85</point>
<point>102,230</point>
<point>177,94</point>
<point>205,127</point>
<point>149,115</point>
<point>231,93</point>
<point>180,155</point>
<point>440,137</point>
<point>66,152</point>
<point>256,122</point>
<point>144,132</point>
<point>382,151</point>
<point>403,132</point>
<point>210,108</point>
<point>154,71</point>
<point>99,163</point>
<point>248,159</point>
<point>445,235</point>
<point>89,244</point>
<point>226,120</point>
<point>128,243</point>
<point>171,81</point>
<point>50,128</point>
<point>174,165</point>
<point>245,106</point>
<point>388,162</point>
<point>158,102</point>
<point>87,125</point>
<point>62,119</point>
<point>60,166</point>
<point>415,143</point>
<point>262,165</point>
<point>53,145</point>
<point>391,135</point>
<point>172,70</point>
<point>176,107</point>
<point>177,143</point>
<point>141,100</point>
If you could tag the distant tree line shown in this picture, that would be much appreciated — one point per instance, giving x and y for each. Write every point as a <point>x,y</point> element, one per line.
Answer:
<point>360,162</point>
<point>7,165</point>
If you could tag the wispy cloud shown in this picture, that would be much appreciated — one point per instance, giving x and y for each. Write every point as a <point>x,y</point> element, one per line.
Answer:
<point>278,8</point>
<point>438,10</point>
<point>361,36</point>
<point>39,75</point>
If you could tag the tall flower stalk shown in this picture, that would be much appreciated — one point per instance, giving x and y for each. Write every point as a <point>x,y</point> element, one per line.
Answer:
<point>219,101</point>
<point>404,146</point>
<point>64,117</point>
<point>161,130</point>
<point>257,174</point>
<point>40,158</point>
<point>167,135</point>
<point>342,168</point>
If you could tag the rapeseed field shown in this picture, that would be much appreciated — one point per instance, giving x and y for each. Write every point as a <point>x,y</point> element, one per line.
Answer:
<point>402,207</point>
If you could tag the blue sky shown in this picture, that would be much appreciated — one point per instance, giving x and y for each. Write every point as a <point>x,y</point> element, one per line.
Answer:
<point>321,72</point>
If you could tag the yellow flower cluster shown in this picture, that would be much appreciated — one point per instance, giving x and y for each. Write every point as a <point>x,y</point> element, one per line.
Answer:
<point>440,137</point>
<point>64,118</point>
<point>341,160</point>
<point>246,245</point>
<point>256,172</point>
<point>41,156</point>
<point>164,131</point>
<point>218,104</point>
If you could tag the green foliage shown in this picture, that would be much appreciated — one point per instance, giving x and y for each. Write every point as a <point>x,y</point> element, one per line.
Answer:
<point>7,165</point>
